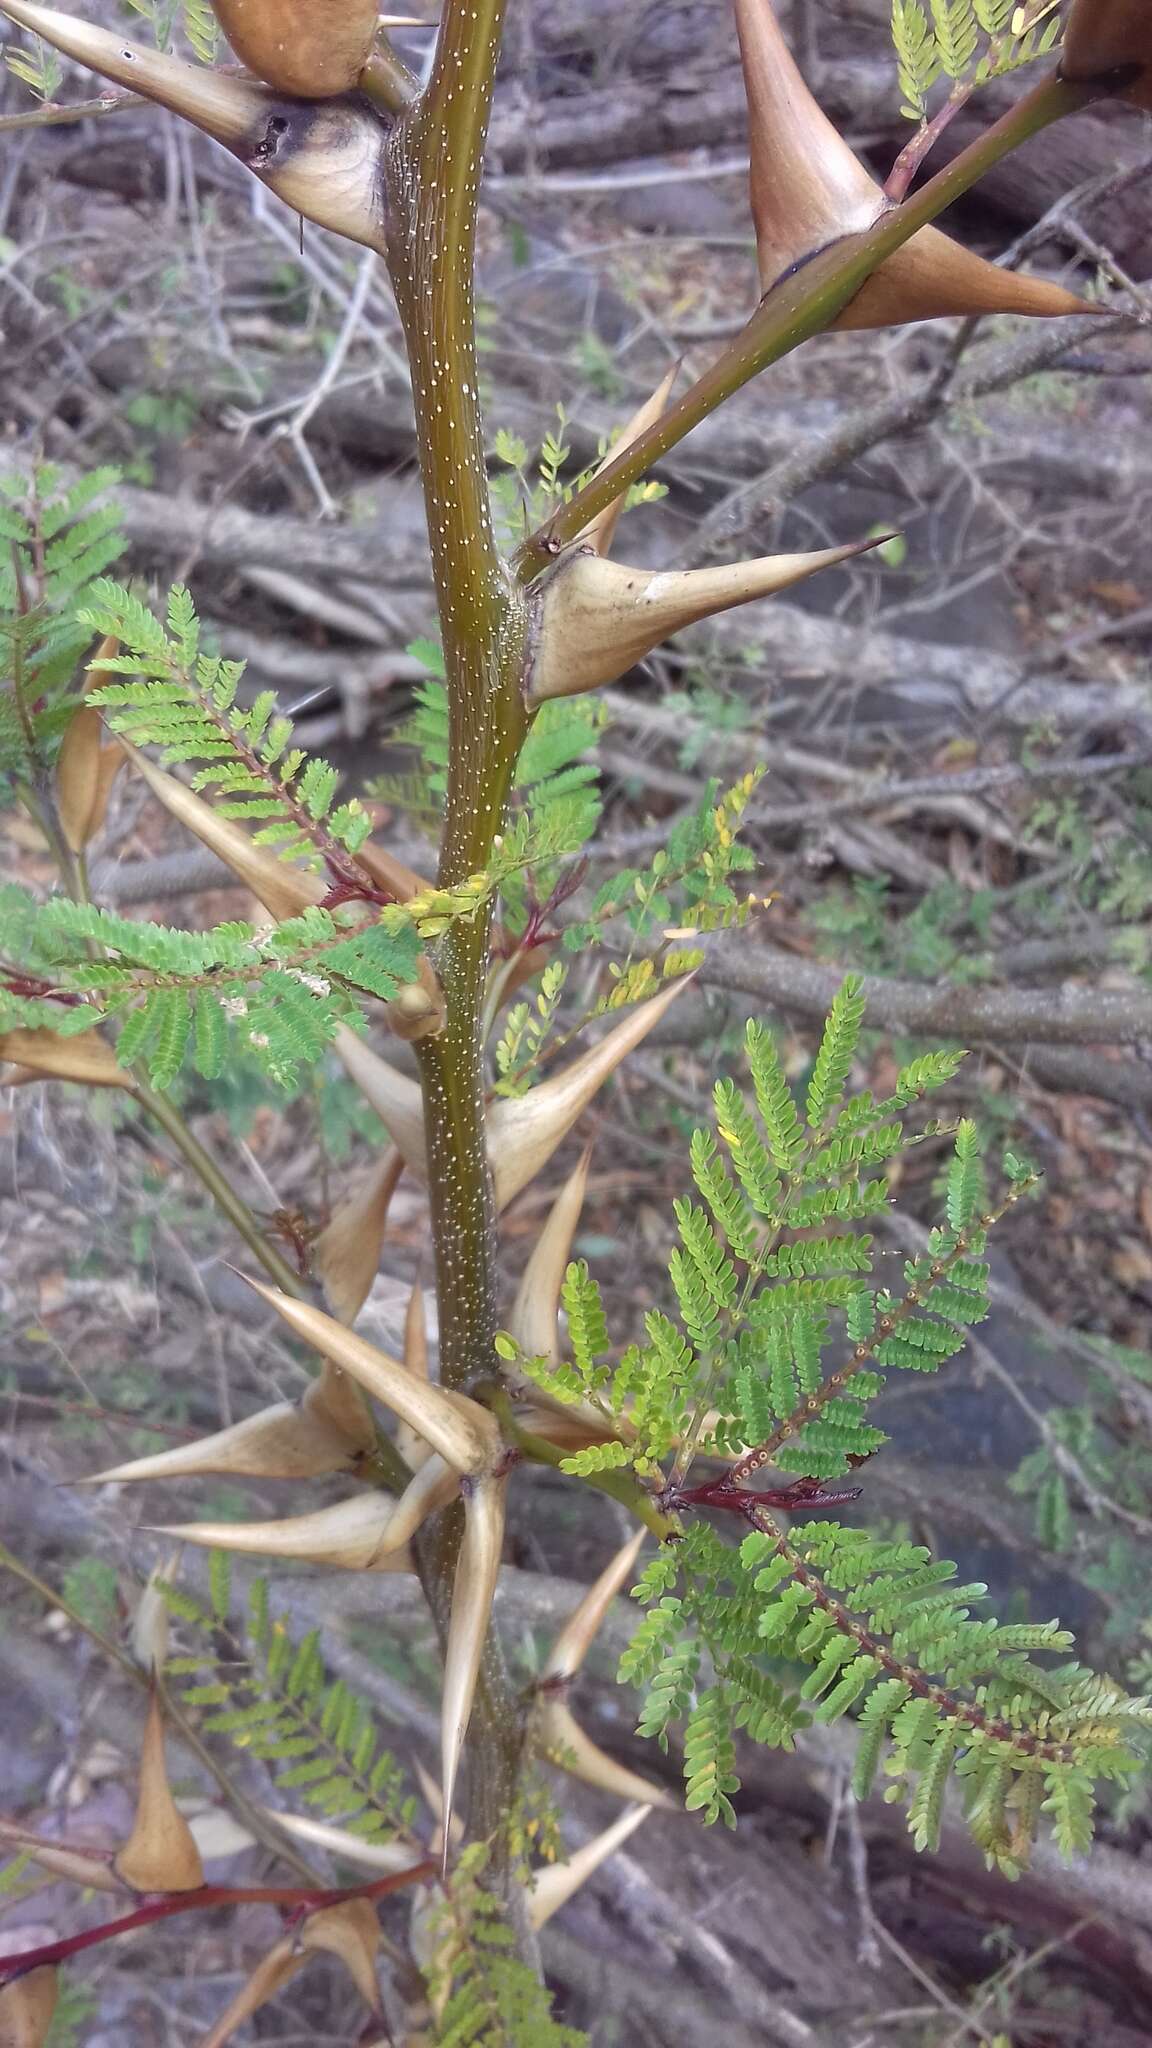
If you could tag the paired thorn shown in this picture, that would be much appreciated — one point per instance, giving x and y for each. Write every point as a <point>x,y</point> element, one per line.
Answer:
<point>809,190</point>
<point>160,1854</point>
<point>329,1430</point>
<point>322,156</point>
<point>1109,42</point>
<point>596,619</point>
<point>523,1131</point>
<point>560,1736</point>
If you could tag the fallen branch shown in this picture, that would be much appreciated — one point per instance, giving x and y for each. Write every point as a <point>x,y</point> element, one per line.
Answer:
<point>1064,1015</point>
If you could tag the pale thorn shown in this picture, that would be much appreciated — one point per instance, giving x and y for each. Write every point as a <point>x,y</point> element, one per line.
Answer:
<point>600,531</point>
<point>335,1401</point>
<point>394,1096</point>
<point>575,1426</point>
<point>351,1932</point>
<point>355,1535</point>
<point>87,765</point>
<point>809,189</point>
<point>597,619</point>
<point>466,1435</point>
<point>150,1621</point>
<point>434,1800</point>
<point>276,1443</point>
<point>329,1430</point>
<point>432,1486</point>
<point>46,1056</point>
<point>416,1334</point>
<point>1110,39</point>
<point>346,1255</point>
<point>931,277</point>
<point>271,1974</point>
<point>534,1321</point>
<point>281,888</point>
<point>93,1871</point>
<point>323,158</point>
<point>473,1590</point>
<point>553,1886</point>
<point>383,1857</point>
<point>565,1744</point>
<point>579,1631</point>
<point>27,2005</point>
<point>160,1854</point>
<point>217,1833</point>
<point>525,1130</point>
<point>307,48</point>
<point>410,1444</point>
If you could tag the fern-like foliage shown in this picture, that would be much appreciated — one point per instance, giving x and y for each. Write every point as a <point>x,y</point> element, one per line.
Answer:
<point>779,1344</point>
<point>58,539</point>
<point>194,17</point>
<point>270,1694</point>
<point>686,891</point>
<point>482,1994</point>
<point>744,1360</point>
<point>39,68</point>
<point>556,801</point>
<point>967,42</point>
<point>183,700</point>
<point>279,991</point>
<point>688,886</point>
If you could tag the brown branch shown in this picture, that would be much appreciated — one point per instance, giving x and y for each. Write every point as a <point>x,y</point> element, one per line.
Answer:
<point>891,417</point>
<point>1053,1016</point>
<point>51,114</point>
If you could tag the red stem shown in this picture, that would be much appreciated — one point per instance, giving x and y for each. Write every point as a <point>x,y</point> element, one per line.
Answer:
<point>300,1897</point>
<point>925,139</point>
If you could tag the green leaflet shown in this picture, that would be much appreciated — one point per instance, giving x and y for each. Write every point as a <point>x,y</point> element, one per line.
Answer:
<point>837,1050</point>
<point>489,1998</point>
<point>272,1696</point>
<point>780,1335</point>
<point>183,700</point>
<point>965,41</point>
<point>764,1310</point>
<point>688,883</point>
<point>281,993</point>
<point>710,1758</point>
<point>57,540</point>
<point>557,799</point>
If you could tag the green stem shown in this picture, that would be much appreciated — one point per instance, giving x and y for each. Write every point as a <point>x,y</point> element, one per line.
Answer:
<point>387,81</point>
<point>621,1486</point>
<point>239,1215</point>
<point>434,176</point>
<point>800,305</point>
<point>433,168</point>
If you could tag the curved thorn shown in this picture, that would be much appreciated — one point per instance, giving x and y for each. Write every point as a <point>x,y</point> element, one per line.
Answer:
<point>553,1886</point>
<point>534,1321</point>
<point>580,1630</point>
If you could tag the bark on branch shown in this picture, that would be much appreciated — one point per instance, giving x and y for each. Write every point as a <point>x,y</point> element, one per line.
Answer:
<point>1065,1015</point>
